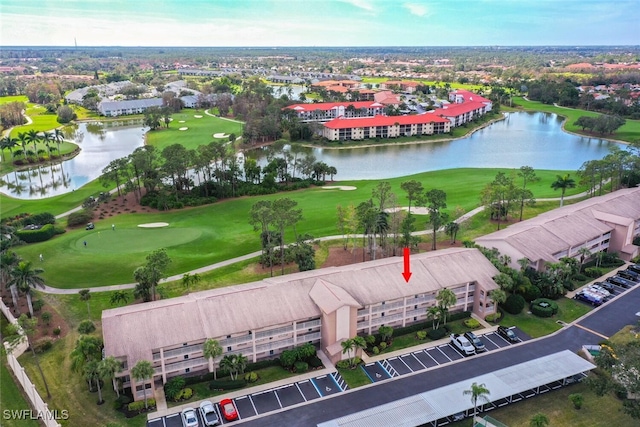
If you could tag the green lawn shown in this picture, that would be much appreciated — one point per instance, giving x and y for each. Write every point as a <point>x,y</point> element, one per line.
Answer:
<point>202,241</point>
<point>42,120</point>
<point>13,398</point>
<point>199,131</point>
<point>568,311</point>
<point>629,132</point>
<point>354,377</point>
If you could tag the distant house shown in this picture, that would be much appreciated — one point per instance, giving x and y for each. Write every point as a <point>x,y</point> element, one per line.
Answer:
<point>343,129</point>
<point>123,108</point>
<point>606,223</point>
<point>404,86</point>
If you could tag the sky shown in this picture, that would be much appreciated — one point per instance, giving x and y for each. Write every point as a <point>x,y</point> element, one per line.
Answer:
<point>319,22</point>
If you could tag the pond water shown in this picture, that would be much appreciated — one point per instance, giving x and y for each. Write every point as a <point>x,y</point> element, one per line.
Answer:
<point>521,139</point>
<point>292,91</point>
<point>99,145</point>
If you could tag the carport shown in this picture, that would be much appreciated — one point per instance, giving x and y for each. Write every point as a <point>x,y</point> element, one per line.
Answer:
<point>506,386</point>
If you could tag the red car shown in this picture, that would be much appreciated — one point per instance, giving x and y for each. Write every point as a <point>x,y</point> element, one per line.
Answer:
<point>228,410</point>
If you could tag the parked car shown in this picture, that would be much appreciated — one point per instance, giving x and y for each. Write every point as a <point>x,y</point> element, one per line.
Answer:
<point>228,410</point>
<point>592,298</point>
<point>475,341</point>
<point>599,290</point>
<point>619,281</point>
<point>629,275</point>
<point>209,414</point>
<point>634,267</point>
<point>606,285</point>
<point>462,344</point>
<point>508,334</point>
<point>90,226</point>
<point>189,417</point>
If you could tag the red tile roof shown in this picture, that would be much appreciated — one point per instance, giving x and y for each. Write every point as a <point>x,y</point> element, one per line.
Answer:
<point>362,122</point>
<point>470,96</point>
<point>325,106</point>
<point>454,110</point>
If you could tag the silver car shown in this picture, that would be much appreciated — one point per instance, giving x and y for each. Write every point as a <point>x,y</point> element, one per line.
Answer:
<point>189,417</point>
<point>209,414</point>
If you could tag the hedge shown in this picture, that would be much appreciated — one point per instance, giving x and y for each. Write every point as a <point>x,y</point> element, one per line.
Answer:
<point>540,311</point>
<point>227,384</point>
<point>139,405</point>
<point>34,236</point>
<point>79,218</point>
<point>436,334</point>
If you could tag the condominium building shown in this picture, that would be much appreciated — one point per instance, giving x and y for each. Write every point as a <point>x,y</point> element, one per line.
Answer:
<point>606,223</point>
<point>322,307</point>
<point>123,108</point>
<point>342,129</point>
<point>325,111</point>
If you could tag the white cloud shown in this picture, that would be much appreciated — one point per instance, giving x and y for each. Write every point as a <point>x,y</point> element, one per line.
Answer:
<point>416,9</point>
<point>362,4</point>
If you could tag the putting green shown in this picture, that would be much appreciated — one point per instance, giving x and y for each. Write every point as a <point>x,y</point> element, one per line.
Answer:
<point>132,240</point>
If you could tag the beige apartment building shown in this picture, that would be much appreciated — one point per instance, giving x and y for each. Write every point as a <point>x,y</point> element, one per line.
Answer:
<point>322,307</point>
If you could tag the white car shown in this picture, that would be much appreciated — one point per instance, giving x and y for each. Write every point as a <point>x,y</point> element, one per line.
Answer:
<point>209,414</point>
<point>600,289</point>
<point>189,417</point>
<point>462,344</point>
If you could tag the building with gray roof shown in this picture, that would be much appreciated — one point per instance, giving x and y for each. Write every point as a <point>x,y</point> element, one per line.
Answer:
<point>323,307</point>
<point>606,223</point>
<point>123,108</point>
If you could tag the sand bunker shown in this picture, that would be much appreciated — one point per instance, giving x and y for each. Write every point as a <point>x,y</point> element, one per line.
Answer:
<point>154,225</point>
<point>185,128</point>
<point>339,187</point>
<point>197,117</point>
<point>414,210</point>
<point>221,135</point>
<point>181,121</point>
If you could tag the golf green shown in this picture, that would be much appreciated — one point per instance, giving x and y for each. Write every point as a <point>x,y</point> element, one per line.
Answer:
<point>133,240</point>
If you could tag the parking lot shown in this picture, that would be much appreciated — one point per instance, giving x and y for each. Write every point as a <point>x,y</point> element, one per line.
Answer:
<point>269,400</point>
<point>430,357</point>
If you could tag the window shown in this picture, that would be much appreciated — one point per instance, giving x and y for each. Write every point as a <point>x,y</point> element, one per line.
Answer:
<point>228,336</point>
<point>415,318</point>
<point>229,348</point>
<point>382,314</point>
<point>249,332</point>
<point>271,352</point>
<point>187,370</point>
<point>186,356</point>
<point>185,344</point>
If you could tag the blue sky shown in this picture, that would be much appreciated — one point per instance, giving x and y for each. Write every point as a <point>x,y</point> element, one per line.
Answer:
<point>319,22</point>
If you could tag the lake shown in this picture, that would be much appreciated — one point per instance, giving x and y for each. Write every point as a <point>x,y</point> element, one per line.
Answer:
<point>521,139</point>
<point>99,145</point>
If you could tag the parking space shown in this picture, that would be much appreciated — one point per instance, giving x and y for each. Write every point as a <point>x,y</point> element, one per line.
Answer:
<point>497,340</point>
<point>266,401</point>
<point>290,395</point>
<point>412,362</point>
<point>174,421</point>
<point>376,372</point>
<point>245,407</point>
<point>451,352</point>
<point>424,358</point>
<point>489,344</point>
<point>308,390</point>
<point>438,355</point>
<point>326,385</point>
<point>155,423</point>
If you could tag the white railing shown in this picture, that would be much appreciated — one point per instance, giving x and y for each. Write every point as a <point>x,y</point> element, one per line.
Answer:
<point>13,351</point>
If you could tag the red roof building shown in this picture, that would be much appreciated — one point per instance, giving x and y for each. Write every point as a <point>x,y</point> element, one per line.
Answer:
<point>460,114</point>
<point>325,111</point>
<point>343,129</point>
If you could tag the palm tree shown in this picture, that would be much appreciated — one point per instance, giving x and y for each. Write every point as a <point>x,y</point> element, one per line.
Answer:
<point>228,363</point>
<point>108,368</point>
<point>477,391</point>
<point>58,136</point>
<point>498,296</point>
<point>91,373</point>
<point>211,349</point>
<point>241,363</point>
<point>584,253</point>
<point>118,297</point>
<point>23,140</point>
<point>88,349</point>
<point>562,183</point>
<point>142,371</point>
<point>34,138</point>
<point>190,279</point>
<point>85,296</point>
<point>359,343</point>
<point>24,276</point>
<point>47,139</point>
<point>446,298</point>
<point>10,143</point>
<point>8,261</point>
<point>348,345</point>
<point>452,229</point>
<point>539,420</point>
<point>433,313</point>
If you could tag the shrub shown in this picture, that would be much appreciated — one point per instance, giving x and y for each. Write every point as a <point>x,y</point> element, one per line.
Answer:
<point>122,400</point>
<point>543,307</point>
<point>86,327</point>
<point>343,364</point>
<point>46,317</point>
<point>458,316</point>
<point>173,387</point>
<point>370,339</point>
<point>472,323</point>
<point>421,335</point>
<point>251,377</point>
<point>376,350</point>
<point>436,334</point>
<point>594,272</point>
<point>315,362</point>
<point>139,405</point>
<point>56,331</point>
<point>43,345</point>
<point>187,393</point>
<point>514,304</point>
<point>288,358</point>
<point>227,385</point>
<point>37,305</point>
<point>383,345</point>
<point>531,292</point>
<point>493,317</point>
<point>40,235</point>
<point>82,217</point>
<point>301,367</point>
<point>40,219</point>
<point>577,400</point>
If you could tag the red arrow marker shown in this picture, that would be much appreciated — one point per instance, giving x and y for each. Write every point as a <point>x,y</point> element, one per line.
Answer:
<point>406,273</point>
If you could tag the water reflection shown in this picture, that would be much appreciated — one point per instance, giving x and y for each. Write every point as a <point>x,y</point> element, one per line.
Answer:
<point>99,144</point>
<point>523,138</point>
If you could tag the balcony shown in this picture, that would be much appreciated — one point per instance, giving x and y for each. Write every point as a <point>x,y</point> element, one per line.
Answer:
<point>274,332</point>
<point>309,325</point>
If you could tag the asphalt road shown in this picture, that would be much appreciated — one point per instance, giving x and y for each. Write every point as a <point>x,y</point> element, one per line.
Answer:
<point>605,320</point>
